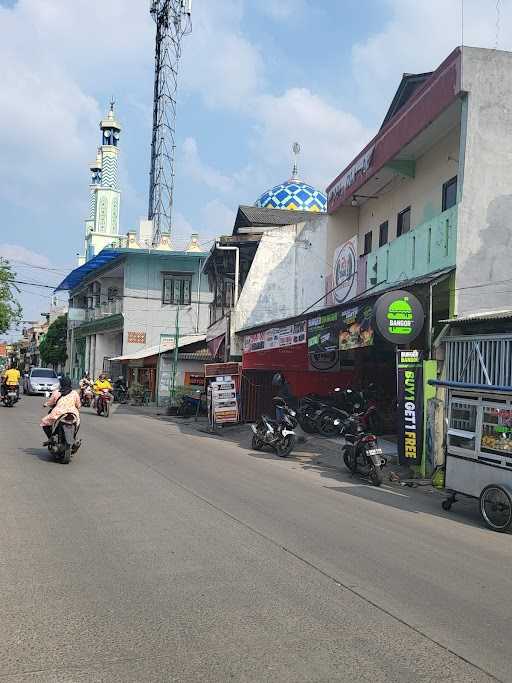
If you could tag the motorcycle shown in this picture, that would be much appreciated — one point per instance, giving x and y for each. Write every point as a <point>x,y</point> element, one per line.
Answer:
<point>361,453</point>
<point>86,396</point>
<point>63,443</point>
<point>10,396</point>
<point>276,434</point>
<point>103,402</point>
<point>190,405</point>
<point>307,412</point>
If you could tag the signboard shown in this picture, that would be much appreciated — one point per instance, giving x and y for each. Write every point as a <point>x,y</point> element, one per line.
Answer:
<point>222,401</point>
<point>344,271</point>
<point>409,368</point>
<point>276,338</point>
<point>194,379</point>
<point>3,350</point>
<point>216,369</point>
<point>325,361</point>
<point>399,317</point>
<point>342,184</point>
<point>341,330</point>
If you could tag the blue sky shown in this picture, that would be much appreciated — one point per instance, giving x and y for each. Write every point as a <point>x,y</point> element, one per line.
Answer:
<point>255,76</point>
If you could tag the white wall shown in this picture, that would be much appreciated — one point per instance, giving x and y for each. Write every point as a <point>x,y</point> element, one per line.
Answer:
<point>287,274</point>
<point>484,248</point>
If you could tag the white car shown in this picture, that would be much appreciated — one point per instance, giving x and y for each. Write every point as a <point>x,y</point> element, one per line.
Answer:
<point>40,380</point>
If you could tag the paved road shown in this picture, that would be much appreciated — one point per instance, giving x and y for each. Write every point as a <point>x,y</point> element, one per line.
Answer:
<point>165,555</point>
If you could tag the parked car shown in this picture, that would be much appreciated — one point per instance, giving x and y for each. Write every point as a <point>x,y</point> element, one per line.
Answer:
<point>40,380</point>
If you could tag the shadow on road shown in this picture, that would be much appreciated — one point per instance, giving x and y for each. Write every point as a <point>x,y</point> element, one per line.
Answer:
<point>41,453</point>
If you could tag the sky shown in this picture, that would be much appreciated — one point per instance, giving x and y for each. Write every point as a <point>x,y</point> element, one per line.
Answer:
<point>255,76</point>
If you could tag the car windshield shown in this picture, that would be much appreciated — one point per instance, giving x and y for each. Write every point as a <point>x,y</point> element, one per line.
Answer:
<point>43,373</point>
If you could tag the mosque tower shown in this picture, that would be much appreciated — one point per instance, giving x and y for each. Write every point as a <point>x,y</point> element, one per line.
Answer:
<point>102,225</point>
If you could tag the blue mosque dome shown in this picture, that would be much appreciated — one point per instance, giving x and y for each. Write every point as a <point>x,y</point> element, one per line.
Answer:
<point>293,194</point>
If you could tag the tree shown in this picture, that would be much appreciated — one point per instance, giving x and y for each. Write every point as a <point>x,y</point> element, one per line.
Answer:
<point>52,348</point>
<point>10,309</point>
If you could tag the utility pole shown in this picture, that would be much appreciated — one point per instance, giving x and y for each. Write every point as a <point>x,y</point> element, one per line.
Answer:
<point>175,355</point>
<point>173,21</point>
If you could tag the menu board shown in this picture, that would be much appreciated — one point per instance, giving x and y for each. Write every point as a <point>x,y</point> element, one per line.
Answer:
<point>341,330</point>
<point>222,401</point>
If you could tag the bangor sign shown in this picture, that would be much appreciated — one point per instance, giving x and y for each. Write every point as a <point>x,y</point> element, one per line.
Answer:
<point>399,317</point>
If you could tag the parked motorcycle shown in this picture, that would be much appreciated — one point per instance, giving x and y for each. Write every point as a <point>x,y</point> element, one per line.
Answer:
<point>307,412</point>
<point>189,405</point>
<point>276,434</point>
<point>103,402</point>
<point>361,453</point>
<point>120,394</point>
<point>10,397</point>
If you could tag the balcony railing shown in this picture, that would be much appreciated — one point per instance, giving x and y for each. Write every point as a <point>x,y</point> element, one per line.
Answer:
<point>426,248</point>
<point>104,310</point>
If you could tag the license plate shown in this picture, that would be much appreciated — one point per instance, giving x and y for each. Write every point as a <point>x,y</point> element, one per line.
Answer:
<point>374,451</point>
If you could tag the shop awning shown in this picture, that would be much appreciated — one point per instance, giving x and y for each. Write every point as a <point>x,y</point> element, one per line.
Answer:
<point>166,345</point>
<point>493,388</point>
<point>479,317</point>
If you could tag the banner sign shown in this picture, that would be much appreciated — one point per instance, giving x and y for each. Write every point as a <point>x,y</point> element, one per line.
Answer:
<point>358,168</point>
<point>409,368</point>
<point>216,369</point>
<point>276,338</point>
<point>344,271</point>
<point>399,317</point>
<point>341,330</point>
<point>222,401</point>
<point>324,361</point>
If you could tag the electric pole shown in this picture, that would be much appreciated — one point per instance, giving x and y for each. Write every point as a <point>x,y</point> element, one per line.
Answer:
<point>173,21</point>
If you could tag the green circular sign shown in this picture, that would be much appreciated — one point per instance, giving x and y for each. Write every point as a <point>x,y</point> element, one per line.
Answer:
<point>399,317</point>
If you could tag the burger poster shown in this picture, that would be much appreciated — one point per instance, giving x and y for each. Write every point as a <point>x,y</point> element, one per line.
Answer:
<point>356,328</point>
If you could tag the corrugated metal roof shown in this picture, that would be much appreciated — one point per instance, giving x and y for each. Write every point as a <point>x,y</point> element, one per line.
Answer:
<point>167,345</point>
<point>480,317</point>
<point>254,216</point>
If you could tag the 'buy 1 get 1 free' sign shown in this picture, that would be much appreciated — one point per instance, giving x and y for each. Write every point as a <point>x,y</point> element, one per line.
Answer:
<point>409,368</point>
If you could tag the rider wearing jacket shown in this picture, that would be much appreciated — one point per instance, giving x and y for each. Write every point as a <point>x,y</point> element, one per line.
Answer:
<point>11,378</point>
<point>62,401</point>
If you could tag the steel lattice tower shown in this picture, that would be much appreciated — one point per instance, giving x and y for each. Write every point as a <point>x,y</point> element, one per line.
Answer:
<point>173,21</point>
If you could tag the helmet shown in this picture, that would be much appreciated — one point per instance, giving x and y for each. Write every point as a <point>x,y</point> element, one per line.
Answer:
<point>277,380</point>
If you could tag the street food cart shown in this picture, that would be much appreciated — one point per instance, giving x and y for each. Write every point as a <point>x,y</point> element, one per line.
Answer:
<point>479,450</point>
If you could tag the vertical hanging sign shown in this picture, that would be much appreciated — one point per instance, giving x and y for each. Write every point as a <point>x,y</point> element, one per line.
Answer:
<point>409,368</point>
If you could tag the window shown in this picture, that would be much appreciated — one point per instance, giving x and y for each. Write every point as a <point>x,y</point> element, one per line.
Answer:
<point>176,289</point>
<point>403,223</point>
<point>367,243</point>
<point>383,234</point>
<point>449,193</point>
<point>462,426</point>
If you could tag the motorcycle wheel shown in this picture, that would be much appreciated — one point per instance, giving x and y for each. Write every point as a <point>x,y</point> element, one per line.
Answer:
<point>99,409</point>
<point>347,460</point>
<point>325,424</point>
<point>375,476</point>
<point>256,443</point>
<point>66,456</point>
<point>284,448</point>
<point>307,425</point>
<point>106,409</point>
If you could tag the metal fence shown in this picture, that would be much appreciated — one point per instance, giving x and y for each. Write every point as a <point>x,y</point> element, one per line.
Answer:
<point>482,359</point>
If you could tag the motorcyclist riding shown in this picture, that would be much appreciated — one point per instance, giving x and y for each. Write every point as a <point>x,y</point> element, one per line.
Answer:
<point>11,378</point>
<point>100,385</point>
<point>62,401</point>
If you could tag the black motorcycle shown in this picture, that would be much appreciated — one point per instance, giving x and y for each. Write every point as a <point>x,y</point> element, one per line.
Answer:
<point>63,443</point>
<point>10,396</point>
<point>276,434</point>
<point>361,453</point>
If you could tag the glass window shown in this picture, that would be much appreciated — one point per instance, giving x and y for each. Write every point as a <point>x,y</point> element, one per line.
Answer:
<point>450,193</point>
<point>367,243</point>
<point>461,432</point>
<point>177,289</point>
<point>403,222</point>
<point>497,429</point>
<point>383,234</point>
<point>43,373</point>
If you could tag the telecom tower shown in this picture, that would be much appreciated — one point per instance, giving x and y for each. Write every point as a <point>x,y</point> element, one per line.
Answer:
<point>173,21</point>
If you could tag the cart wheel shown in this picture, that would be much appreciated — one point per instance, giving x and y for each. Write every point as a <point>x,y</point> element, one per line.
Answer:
<point>496,507</point>
<point>446,505</point>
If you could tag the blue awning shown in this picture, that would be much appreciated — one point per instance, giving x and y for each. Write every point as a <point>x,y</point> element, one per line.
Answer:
<point>79,274</point>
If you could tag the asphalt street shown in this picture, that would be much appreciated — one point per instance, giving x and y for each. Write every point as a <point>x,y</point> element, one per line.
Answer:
<point>165,554</point>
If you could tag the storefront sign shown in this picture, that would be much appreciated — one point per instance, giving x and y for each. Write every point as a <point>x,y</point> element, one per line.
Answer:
<point>344,268</point>
<point>216,369</point>
<point>222,401</point>
<point>341,330</point>
<point>276,338</point>
<point>194,379</point>
<point>325,361</point>
<point>399,317</point>
<point>410,406</point>
<point>360,166</point>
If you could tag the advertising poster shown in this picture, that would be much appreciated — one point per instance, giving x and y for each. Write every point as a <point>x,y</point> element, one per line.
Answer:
<point>344,271</point>
<point>399,317</point>
<point>409,368</point>
<point>356,328</point>
<point>276,338</point>
<point>222,400</point>
<point>323,333</point>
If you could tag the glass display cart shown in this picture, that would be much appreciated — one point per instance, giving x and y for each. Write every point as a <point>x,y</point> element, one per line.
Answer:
<point>479,453</point>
